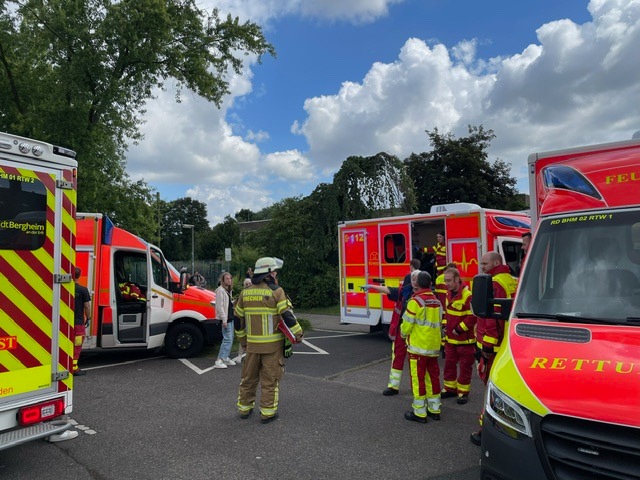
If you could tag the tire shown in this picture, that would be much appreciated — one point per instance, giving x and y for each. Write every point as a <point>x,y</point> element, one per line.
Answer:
<point>184,340</point>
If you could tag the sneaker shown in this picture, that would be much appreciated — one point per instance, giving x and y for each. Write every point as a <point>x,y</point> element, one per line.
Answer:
<point>414,418</point>
<point>462,399</point>
<point>61,437</point>
<point>219,364</point>
<point>389,391</point>
<point>448,394</point>
<point>228,361</point>
<point>476,438</point>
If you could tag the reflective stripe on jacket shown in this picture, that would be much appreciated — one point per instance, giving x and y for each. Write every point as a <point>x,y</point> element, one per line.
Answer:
<point>459,315</point>
<point>489,331</point>
<point>259,308</point>
<point>421,324</point>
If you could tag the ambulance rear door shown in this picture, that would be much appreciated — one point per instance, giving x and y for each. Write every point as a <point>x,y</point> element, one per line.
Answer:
<point>36,257</point>
<point>395,254</point>
<point>354,271</point>
<point>464,244</point>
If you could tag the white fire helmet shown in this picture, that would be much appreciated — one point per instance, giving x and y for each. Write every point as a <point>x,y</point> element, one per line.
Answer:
<point>267,264</point>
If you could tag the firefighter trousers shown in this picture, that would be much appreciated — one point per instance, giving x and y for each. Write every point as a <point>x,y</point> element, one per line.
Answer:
<point>425,384</point>
<point>398,356</point>
<point>266,369</point>
<point>78,337</point>
<point>458,367</point>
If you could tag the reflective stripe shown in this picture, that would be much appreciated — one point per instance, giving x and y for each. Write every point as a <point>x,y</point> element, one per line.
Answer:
<point>395,377</point>
<point>423,351</point>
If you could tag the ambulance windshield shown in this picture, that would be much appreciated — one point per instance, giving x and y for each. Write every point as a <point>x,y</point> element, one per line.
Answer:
<point>584,266</point>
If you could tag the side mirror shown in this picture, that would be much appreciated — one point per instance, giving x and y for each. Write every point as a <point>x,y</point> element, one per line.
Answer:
<point>174,287</point>
<point>484,305</point>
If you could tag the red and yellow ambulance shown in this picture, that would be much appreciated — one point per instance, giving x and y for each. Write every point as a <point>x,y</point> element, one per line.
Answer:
<point>161,313</point>
<point>37,241</point>
<point>378,251</point>
<point>563,394</point>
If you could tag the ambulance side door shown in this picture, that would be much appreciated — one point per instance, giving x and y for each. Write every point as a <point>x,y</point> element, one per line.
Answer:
<point>464,244</point>
<point>160,298</point>
<point>395,255</point>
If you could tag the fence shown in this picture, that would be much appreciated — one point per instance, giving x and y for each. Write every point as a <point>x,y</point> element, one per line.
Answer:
<point>211,270</point>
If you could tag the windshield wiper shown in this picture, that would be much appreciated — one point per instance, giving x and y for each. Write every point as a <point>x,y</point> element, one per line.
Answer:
<point>564,317</point>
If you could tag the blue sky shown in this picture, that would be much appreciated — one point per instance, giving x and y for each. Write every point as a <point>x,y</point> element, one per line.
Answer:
<point>364,76</point>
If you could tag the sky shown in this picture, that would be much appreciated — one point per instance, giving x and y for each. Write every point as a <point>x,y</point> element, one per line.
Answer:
<point>360,77</point>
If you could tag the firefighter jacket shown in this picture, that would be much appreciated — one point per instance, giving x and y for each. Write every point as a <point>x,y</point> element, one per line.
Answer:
<point>440,252</point>
<point>421,324</point>
<point>259,309</point>
<point>440,289</point>
<point>131,292</point>
<point>460,320</point>
<point>489,331</point>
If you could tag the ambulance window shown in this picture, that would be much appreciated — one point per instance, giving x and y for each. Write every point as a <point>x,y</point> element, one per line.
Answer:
<point>395,248</point>
<point>23,212</point>
<point>159,268</point>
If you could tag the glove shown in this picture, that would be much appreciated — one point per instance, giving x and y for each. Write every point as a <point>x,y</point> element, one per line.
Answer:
<point>478,354</point>
<point>483,372</point>
<point>487,352</point>
<point>287,350</point>
<point>366,288</point>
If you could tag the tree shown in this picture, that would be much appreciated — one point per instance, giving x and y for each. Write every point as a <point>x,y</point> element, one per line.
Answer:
<point>369,186</point>
<point>78,73</point>
<point>457,170</point>
<point>224,235</point>
<point>176,240</point>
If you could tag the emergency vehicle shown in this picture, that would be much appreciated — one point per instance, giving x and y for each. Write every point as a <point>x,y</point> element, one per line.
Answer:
<point>37,240</point>
<point>112,260</point>
<point>378,251</point>
<point>563,393</point>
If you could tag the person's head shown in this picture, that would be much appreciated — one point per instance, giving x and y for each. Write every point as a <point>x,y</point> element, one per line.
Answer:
<point>526,240</point>
<point>414,280</point>
<point>440,236</point>
<point>414,264</point>
<point>423,280</point>
<point>452,279</point>
<point>77,272</point>
<point>489,261</point>
<point>225,279</point>
<point>246,283</point>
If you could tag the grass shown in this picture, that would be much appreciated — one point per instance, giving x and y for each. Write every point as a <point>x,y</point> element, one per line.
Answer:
<point>331,310</point>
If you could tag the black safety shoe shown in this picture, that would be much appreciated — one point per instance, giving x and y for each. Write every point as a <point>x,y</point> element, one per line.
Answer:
<point>269,419</point>
<point>414,418</point>
<point>246,415</point>
<point>433,416</point>
<point>389,391</point>
<point>448,394</point>
<point>476,438</point>
<point>462,399</point>
<point>79,373</point>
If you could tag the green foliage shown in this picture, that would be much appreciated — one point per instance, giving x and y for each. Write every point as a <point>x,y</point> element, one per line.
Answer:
<point>78,73</point>
<point>457,170</point>
<point>370,186</point>
<point>176,240</point>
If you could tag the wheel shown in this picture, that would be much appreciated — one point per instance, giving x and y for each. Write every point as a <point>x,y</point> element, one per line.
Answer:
<point>184,340</point>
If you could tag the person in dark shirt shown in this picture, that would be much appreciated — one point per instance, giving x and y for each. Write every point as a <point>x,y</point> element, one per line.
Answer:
<point>82,317</point>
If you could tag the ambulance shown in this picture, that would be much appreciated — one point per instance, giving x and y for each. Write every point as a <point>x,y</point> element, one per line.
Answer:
<point>37,241</point>
<point>562,400</point>
<point>378,251</point>
<point>164,313</point>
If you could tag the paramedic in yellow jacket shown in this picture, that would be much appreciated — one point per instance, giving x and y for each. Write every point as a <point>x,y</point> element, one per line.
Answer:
<point>421,328</point>
<point>259,309</point>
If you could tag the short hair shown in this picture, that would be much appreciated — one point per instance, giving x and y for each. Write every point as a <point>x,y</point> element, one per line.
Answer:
<point>526,234</point>
<point>424,279</point>
<point>247,282</point>
<point>494,257</point>
<point>441,232</point>
<point>77,273</point>
<point>415,263</point>
<point>454,271</point>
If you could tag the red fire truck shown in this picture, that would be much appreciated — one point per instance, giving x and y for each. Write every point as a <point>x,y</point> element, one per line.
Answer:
<point>378,251</point>
<point>37,241</point>
<point>164,313</point>
<point>562,397</point>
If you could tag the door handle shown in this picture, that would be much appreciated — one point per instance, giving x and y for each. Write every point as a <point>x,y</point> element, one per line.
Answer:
<point>154,296</point>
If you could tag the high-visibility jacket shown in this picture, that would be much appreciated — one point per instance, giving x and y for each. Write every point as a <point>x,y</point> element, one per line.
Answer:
<point>440,289</point>
<point>440,252</point>
<point>460,317</point>
<point>489,331</point>
<point>259,309</point>
<point>421,324</point>
<point>131,292</point>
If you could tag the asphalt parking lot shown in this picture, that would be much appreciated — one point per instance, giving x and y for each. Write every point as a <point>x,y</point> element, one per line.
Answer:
<point>144,416</point>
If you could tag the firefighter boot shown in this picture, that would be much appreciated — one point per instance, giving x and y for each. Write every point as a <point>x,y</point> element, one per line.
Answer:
<point>414,418</point>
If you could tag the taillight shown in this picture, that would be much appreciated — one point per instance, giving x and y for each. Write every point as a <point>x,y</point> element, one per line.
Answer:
<point>40,412</point>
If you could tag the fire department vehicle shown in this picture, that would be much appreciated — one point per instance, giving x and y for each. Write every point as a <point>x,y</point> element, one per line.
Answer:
<point>163,313</point>
<point>378,251</point>
<point>562,397</point>
<point>37,240</point>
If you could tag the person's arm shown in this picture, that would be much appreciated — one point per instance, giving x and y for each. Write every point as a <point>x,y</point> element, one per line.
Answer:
<point>222,305</point>
<point>377,288</point>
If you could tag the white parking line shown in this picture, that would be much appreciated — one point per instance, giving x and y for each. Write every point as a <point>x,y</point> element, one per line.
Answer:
<point>123,363</point>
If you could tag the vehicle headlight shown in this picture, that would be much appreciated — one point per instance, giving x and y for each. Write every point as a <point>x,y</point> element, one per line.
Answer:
<point>213,303</point>
<point>512,418</point>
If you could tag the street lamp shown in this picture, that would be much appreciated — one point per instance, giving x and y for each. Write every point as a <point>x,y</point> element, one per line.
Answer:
<point>187,225</point>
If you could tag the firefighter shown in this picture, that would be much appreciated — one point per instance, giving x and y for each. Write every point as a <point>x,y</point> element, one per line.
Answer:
<point>400,296</point>
<point>440,289</point>
<point>82,316</point>
<point>439,250</point>
<point>421,329</point>
<point>259,309</point>
<point>460,338</point>
<point>489,331</point>
<point>526,241</point>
